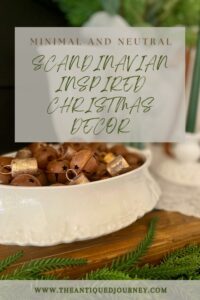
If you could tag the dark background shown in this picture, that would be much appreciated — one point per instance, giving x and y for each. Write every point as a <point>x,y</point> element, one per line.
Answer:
<point>20,13</point>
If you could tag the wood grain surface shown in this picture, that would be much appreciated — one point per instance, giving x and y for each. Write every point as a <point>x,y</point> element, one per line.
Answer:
<point>173,231</point>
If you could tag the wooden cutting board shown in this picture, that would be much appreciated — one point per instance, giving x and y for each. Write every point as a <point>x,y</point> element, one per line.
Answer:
<point>173,231</point>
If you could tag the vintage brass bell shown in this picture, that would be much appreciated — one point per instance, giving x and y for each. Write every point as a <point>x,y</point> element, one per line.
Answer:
<point>23,166</point>
<point>80,179</point>
<point>84,160</point>
<point>76,178</point>
<point>117,165</point>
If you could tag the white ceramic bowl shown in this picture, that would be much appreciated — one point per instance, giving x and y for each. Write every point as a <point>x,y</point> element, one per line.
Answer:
<point>45,216</point>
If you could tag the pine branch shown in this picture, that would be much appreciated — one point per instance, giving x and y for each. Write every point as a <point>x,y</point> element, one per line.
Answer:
<point>35,268</point>
<point>177,255</point>
<point>106,274</point>
<point>182,263</point>
<point>125,262</point>
<point>5,263</point>
<point>164,272</point>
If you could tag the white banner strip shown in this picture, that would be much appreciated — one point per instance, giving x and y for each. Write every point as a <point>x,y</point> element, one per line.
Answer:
<point>89,289</point>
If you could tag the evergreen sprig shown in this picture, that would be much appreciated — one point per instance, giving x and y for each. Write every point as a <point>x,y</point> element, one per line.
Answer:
<point>35,268</point>
<point>5,263</point>
<point>137,12</point>
<point>164,272</point>
<point>125,262</point>
<point>179,255</point>
<point>181,264</point>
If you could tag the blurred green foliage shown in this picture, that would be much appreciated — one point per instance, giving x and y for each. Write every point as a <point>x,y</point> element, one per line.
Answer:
<point>134,12</point>
<point>78,12</point>
<point>137,12</point>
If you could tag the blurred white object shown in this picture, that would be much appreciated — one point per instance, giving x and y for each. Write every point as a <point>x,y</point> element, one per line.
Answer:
<point>179,198</point>
<point>186,152</point>
<point>103,19</point>
<point>179,179</point>
<point>178,170</point>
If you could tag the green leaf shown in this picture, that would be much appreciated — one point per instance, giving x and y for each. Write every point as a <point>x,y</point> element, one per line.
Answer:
<point>111,6</point>
<point>125,262</point>
<point>10,260</point>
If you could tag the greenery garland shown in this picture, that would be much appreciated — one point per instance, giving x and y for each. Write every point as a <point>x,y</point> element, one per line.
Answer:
<point>137,12</point>
<point>180,264</point>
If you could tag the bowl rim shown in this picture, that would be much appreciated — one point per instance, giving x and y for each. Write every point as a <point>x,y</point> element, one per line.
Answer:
<point>146,155</point>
